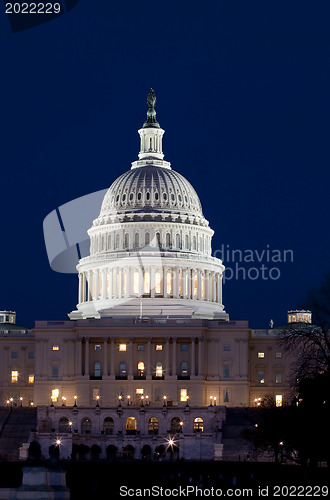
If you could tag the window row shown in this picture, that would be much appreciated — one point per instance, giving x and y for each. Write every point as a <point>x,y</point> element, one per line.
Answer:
<point>15,376</point>
<point>278,377</point>
<point>14,354</point>
<point>176,426</point>
<point>261,354</point>
<point>118,241</point>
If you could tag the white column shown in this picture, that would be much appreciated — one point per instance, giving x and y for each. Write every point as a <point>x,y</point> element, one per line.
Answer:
<point>110,283</point>
<point>192,362</point>
<point>90,286</point>
<point>120,284</point>
<point>165,281</point>
<point>220,288</point>
<point>104,283</point>
<point>96,284</point>
<point>199,284</point>
<point>200,357</point>
<point>174,358</point>
<point>86,357</point>
<point>114,282</point>
<point>152,281</point>
<point>78,348</point>
<point>84,287</point>
<point>207,285</point>
<point>80,289</point>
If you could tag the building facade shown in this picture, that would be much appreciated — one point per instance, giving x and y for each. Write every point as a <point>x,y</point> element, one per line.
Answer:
<point>149,357</point>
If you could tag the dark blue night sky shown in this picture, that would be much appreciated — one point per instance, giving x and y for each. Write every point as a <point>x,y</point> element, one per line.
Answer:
<point>243,94</point>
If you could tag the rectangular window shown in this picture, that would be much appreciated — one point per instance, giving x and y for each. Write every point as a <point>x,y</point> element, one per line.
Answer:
<point>278,355</point>
<point>184,347</point>
<point>54,397</point>
<point>55,371</point>
<point>122,347</point>
<point>226,370</point>
<point>139,392</point>
<point>261,377</point>
<point>31,354</point>
<point>14,376</point>
<point>56,348</point>
<point>226,347</point>
<point>141,347</point>
<point>13,354</point>
<point>261,354</point>
<point>278,377</point>
<point>278,400</point>
<point>159,347</point>
<point>31,379</point>
<point>183,395</point>
<point>97,347</point>
<point>158,396</point>
<point>226,396</point>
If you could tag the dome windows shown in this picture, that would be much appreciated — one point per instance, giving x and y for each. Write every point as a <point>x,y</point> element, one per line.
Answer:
<point>139,196</point>
<point>164,196</point>
<point>172,197</point>
<point>131,196</point>
<point>156,196</point>
<point>148,196</point>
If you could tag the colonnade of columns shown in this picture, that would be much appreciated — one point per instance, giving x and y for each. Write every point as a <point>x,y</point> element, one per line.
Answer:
<point>119,283</point>
<point>110,360</point>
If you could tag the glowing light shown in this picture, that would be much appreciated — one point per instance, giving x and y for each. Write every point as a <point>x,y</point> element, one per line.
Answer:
<point>58,442</point>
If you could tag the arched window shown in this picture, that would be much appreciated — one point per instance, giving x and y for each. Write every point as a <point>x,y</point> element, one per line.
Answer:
<point>140,369</point>
<point>198,425</point>
<point>117,241</point>
<point>63,425</point>
<point>176,425</point>
<point>184,369</point>
<point>177,241</point>
<point>108,425</point>
<point>147,239</point>
<point>156,196</point>
<point>168,240</point>
<point>153,425</point>
<point>194,243</point>
<point>86,426</point>
<point>158,282</point>
<point>159,369</point>
<point>136,240</point>
<point>131,426</point>
<point>136,282</point>
<point>97,369</point>
<point>109,242</point>
<point>187,242</point>
<point>126,240</point>
<point>158,239</point>
<point>122,369</point>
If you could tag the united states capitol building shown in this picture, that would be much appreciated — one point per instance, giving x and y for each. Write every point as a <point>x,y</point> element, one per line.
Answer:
<point>149,362</point>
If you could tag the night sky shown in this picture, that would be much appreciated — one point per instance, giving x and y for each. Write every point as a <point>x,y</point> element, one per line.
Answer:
<point>243,95</point>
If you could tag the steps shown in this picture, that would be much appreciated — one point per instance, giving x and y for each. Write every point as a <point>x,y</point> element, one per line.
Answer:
<point>15,428</point>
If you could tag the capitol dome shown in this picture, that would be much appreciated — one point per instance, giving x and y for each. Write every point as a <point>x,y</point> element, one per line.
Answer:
<point>150,247</point>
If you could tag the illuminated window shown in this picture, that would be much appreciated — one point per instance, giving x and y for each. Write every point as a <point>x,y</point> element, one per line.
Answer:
<point>100,284</point>
<point>159,347</point>
<point>184,395</point>
<point>146,282</point>
<point>261,354</point>
<point>278,355</point>
<point>198,424</point>
<point>278,377</point>
<point>158,283</point>
<point>140,368</point>
<point>169,283</point>
<point>278,400</point>
<point>203,287</point>
<point>108,285</point>
<point>153,425</point>
<point>131,424</point>
<point>226,370</point>
<point>56,348</point>
<point>14,376</point>
<point>55,371</point>
<point>159,369</point>
<point>195,285</point>
<point>54,397</point>
<point>97,347</point>
<point>261,377</point>
<point>31,379</point>
<point>136,282</point>
<point>122,347</point>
